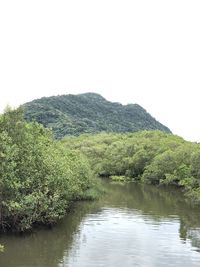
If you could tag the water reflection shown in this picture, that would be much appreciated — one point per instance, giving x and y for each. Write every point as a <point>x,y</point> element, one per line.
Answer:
<point>132,225</point>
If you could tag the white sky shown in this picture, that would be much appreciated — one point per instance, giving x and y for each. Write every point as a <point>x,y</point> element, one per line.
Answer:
<point>137,51</point>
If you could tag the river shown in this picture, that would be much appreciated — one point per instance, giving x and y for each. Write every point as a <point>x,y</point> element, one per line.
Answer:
<point>131,225</point>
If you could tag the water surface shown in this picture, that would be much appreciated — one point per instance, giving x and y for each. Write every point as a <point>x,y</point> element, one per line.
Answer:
<point>132,225</point>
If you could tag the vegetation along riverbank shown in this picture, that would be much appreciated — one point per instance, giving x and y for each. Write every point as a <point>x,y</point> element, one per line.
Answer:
<point>151,157</point>
<point>40,176</point>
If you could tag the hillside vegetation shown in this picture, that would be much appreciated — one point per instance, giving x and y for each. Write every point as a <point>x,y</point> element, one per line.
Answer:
<point>151,157</point>
<point>88,113</point>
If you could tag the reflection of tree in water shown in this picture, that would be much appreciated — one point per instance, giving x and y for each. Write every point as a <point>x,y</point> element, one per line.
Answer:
<point>190,229</point>
<point>160,203</point>
<point>47,247</point>
<point>194,236</point>
<point>44,247</point>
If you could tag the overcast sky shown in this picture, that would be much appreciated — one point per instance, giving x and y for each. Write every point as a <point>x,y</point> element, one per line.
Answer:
<point>137,51</point>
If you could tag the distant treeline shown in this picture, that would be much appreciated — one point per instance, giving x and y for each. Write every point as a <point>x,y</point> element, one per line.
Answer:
<point>152,157</point>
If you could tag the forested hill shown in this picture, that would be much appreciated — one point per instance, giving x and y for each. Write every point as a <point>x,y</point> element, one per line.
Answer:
<point>89,113</point>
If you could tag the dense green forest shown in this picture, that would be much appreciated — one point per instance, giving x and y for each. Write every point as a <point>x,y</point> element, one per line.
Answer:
<point>38,177</point>
<point>89,113</point>
<point>152,157</point>
<point>41,176</point>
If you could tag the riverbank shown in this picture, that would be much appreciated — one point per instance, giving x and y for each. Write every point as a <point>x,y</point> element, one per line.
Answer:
<point>39,179</point>
<point>151,157</point>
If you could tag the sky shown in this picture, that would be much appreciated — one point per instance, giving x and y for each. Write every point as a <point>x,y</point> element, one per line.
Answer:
<point>129,51</point>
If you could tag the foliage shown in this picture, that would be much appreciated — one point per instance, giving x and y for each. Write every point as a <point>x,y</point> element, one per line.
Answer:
<point>1,248</point>
<point>88,113</point>
<point>152,157</point>
<point>38,177</point>
<point>122,178</point>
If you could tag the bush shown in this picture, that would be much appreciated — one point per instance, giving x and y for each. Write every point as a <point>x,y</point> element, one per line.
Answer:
<point>38,177</point>
<point>152,157</point>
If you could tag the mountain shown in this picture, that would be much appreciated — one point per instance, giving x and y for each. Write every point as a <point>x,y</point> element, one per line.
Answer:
<point>89,113</point>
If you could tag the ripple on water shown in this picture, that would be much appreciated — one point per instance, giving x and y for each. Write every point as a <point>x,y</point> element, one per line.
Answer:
<point>125,237</point>
<point>131,225</point>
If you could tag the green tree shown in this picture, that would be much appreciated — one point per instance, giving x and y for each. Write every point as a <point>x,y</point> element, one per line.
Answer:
<point>38,177</point>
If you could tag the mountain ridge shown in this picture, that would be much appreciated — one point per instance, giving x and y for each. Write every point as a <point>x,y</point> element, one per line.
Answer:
<point>89,113</point>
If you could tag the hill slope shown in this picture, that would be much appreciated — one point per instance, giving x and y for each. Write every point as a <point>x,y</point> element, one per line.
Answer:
<point>88,113</point>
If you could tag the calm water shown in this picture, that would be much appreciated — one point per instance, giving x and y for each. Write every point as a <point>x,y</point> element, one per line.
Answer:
<point>132,225</point>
